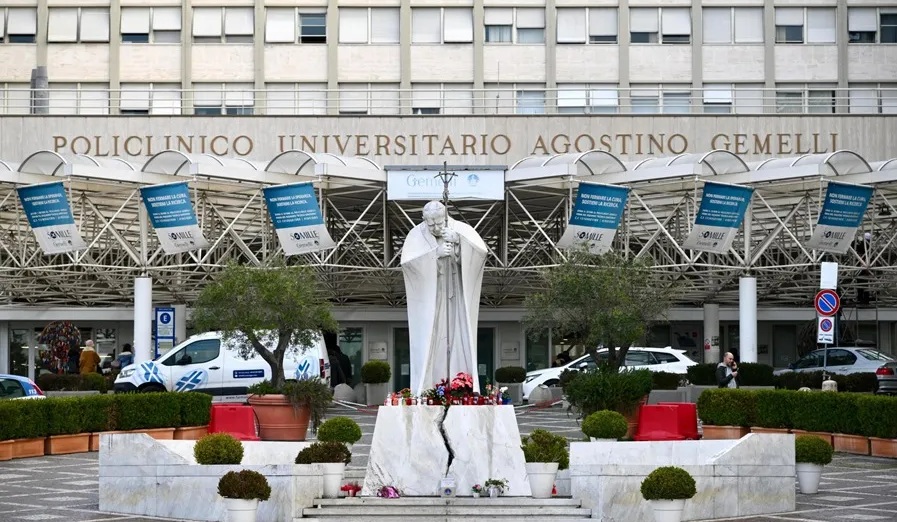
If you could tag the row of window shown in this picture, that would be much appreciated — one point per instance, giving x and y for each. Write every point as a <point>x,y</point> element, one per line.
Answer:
<point>458,99</point>
<point>524,25</point>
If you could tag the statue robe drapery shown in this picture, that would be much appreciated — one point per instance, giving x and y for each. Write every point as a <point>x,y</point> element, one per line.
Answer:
<point>443,295</point>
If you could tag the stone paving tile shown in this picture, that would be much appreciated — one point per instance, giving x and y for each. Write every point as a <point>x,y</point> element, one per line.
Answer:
<point>64,488</point>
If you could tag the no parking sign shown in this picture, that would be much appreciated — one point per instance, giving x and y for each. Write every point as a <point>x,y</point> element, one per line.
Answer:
<point>825,334</point>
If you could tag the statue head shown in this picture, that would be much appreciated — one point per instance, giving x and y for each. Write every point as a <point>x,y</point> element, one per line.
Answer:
<point>435,217</point>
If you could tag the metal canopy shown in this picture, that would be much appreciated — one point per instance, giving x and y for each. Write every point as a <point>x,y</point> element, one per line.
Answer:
<point>520,231</point>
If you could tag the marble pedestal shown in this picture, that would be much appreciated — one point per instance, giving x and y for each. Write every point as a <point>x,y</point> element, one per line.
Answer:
<point>734,478</point>
<point>160,478</point>
<point>409,450</point>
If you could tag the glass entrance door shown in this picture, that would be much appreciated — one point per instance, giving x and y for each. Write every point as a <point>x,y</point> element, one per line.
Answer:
<point>401,369</point>
<point>18,351</point>
<point>485,356</point>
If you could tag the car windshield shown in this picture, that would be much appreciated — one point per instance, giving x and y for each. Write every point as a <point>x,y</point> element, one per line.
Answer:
<point>874,355</point>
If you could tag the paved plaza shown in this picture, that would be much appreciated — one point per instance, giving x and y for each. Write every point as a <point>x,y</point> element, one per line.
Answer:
<point>64,488</point>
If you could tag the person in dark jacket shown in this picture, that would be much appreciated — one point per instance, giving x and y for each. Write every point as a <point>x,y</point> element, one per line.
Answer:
<point>727,372</point>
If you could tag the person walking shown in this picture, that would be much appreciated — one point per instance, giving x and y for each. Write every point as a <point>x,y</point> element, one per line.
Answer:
<point>89,360</point>
<point>727,372</point>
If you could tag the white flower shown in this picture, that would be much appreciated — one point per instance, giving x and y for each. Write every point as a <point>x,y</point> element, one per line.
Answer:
<point>503,389</point>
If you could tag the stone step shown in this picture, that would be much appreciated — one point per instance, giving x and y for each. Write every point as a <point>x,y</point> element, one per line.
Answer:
<point>431,518</point>
<point>433,508</point>
<point>454,501</point>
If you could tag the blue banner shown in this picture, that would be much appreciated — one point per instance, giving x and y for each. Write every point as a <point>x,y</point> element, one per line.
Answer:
<point>719,217</point>
<point>171,213</point>
<point>48,212</point>
<point>842,213</point>
<point>596,216</point>
<point>297,218</point>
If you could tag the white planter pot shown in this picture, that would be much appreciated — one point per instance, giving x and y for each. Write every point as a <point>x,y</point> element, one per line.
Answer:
<point>494,492</point>
<point>593,439</point>
<point>240,510</point>
<point>541,478</point>
<point>333,476</point>
<point>667,510</point>
<point>808,476</point>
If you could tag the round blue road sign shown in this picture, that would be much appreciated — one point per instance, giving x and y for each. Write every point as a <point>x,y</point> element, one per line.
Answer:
<point>826,325</point>
<point>827,302</point>
<point>165,318</point>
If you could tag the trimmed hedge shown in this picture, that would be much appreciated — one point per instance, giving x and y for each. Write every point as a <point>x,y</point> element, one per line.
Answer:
<point>728,407</point>
<point>665,381</point>
<point>775,408</point>
<point>30,419</point>
<point>854,382</point>
<point>749,374</point>
<point>72,382</point>
<point>876,415</point>
<point>510,374</point>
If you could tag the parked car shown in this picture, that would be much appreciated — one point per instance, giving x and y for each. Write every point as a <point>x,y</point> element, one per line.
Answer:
<point>205,363</point>
<point>17,387</point>
<point>840,359</point>
<point>655,359</point>
<point>887,378</point>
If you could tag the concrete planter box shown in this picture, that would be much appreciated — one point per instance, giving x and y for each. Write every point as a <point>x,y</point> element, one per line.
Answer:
<point>160,478</point>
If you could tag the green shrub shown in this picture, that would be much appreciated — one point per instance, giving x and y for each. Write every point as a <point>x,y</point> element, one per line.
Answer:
<point>323,452</point>
<point>812,380</point>
<point>812,450</point>
<point>702,374</point>
<point>825,411</point>
<point>339,429</point>
<point>605,424</point>
<point>755,374</point>
<point>100,413</point>
<point>64,416</point>
<point>32,419</point>
<point>375,372</point>
<point>263,388</point>
<point>510,374</point>
<point>311,393</point>
<point>72,382</point>
<point>668,483</point>
<point>544,446</point>
<point>218,448</point>
<point>245,484</point>
<point>876,416</point>
<point>11,412</point>
<point>565,378</point>
<point>148,410</point>
<point>727,407</point>
<point>196,408</point>
<point>775,408</point>
<point>860,383</point>
<point>93,381</point>
<point>605,389</point>
<point>665,380</point>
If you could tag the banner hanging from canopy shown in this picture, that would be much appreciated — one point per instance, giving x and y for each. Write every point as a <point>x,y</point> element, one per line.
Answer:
<point>48,211</point>
<point>842,213</point>
<point>171,213</point>
<point>719,217</point>
<point>297,218</point>
<point>596,216</point>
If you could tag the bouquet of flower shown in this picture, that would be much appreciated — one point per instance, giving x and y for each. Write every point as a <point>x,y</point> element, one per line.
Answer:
<point>498,483</point>
<point>505,396</point>
<point>351,489</point>
<point>476,488</point>
<point>437,393</point>
<point>405,393</point>
<point>388,492</point>
<point>462,385</point>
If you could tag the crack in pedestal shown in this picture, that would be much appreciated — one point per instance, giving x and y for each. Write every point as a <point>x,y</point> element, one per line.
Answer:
<point>445,440</point>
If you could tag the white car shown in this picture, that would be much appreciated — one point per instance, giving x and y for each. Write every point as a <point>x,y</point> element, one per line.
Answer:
<point>655,359</point>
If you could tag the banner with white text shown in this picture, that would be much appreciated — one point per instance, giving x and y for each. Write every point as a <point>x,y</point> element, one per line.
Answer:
<point>596,216</point>
<point>171,213</point>
<point>719,217</point>
<point>48,211</point>
<point>297,218</point>
<point>842,213</point>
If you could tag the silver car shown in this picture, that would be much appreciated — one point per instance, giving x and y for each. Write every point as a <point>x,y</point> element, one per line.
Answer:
<point>841,360</point>
<point>887,378</point>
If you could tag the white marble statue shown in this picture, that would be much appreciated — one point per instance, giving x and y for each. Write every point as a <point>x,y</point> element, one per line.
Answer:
<point>442,261</point>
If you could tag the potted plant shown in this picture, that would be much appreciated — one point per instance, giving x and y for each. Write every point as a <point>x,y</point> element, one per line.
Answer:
<point>333,456</point>
<point>340,429</point>
<point>476,490</point>
<point>666,489</point>
<point>242,491</point>
<point>606,388</point>
<point>605,425</point>
<point>376,375</point>
<point>284,413</point>
<point>217,449</point>
<point>271,311</point>
<point>511,377</point>
<point>810,454</point>
<point>545,453</point>
<point>496,487</point>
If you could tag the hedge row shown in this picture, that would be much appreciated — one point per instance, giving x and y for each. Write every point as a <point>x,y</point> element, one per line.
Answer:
<point>28,419</point>
<point>848,413</point>
<point>756,374</point>
<point>72,382</point>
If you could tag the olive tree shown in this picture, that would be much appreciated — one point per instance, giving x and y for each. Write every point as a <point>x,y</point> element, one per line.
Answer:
<point>599,300</point>
<point>266,310</point>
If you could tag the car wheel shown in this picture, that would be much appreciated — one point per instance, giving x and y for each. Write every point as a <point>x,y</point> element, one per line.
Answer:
<point>152,388</point>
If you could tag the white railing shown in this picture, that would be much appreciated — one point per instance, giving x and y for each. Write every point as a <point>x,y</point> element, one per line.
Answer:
<point>448,102</point>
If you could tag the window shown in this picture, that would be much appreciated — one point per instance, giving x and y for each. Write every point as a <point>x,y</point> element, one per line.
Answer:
<point>223,24</point>
<point>150,98</point>
<point>15,98</point>
<point>643,25</point>
<point>151,25</point>
<point>873,98</point>
<point>446,98</point>
<point>296,99</point>
<point>18,24</point>
<point>595,25</point>
<point>378,25</point>
<point>789,102</point>
<point>724,25</point>
<point>676,25</point>
<point>862,24</point>
<point>663,357</point>
<point>75,98</point>
<point>749,98</point>
<point>11,388</point>
<point>821,25</point>
<point>603,25</point>
<point>437,25</point>
<point>74,24</point>
<point>195,353</point>
<point>640,359</point>
<point>644,101</point>
<point>530,102</point>
<point>587,99</point>
<point>840,358</point>
<point>366,98</point>
<point>889,27</point>
<point>821,101</point>
<point>811,360</point>
<point>530,25</point>
<point>676,102</point>
<point>232,99</point>
<point>789,25</point>
<point>500,24</point>
<point>717,98</point>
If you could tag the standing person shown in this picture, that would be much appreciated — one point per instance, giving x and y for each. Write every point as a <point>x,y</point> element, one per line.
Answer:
<point>89,359</point>
<point>344,364</point>
<point>73,362</point>
<point>727,372</point>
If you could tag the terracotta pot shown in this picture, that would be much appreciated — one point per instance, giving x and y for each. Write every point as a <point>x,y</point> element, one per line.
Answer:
<point>278,418</point>
<point>879,447</point>
<point>724,432</point>
<point>65,444</point>
<point>755,429</point>
<point>827,437</point>
<point>22,448</point>
<point>156,433</point>
<point>856,444</point>
<point>190,432</point>
<point>5,450</point>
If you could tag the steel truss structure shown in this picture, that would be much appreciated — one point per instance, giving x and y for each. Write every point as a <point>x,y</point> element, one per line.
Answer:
<point>520,231</point>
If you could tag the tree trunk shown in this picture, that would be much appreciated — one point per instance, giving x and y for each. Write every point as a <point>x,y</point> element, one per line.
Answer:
<point>274,359</point>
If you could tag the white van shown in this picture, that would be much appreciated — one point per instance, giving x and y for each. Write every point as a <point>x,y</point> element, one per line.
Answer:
<point>205,363</point>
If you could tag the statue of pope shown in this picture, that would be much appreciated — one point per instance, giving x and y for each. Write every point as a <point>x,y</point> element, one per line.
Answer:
<point>442,261</point>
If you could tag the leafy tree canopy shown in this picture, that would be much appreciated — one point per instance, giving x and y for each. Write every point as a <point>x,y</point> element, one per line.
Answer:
<point>599,300</point>
<point>267,310</point>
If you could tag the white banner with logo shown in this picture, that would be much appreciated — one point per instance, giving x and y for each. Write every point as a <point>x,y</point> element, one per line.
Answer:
<point>48,212</point>
<point>413,185</point>
<point>297,218</point>
<point>171,213</point>
<point>596,216</point>
<point>842,213</point>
